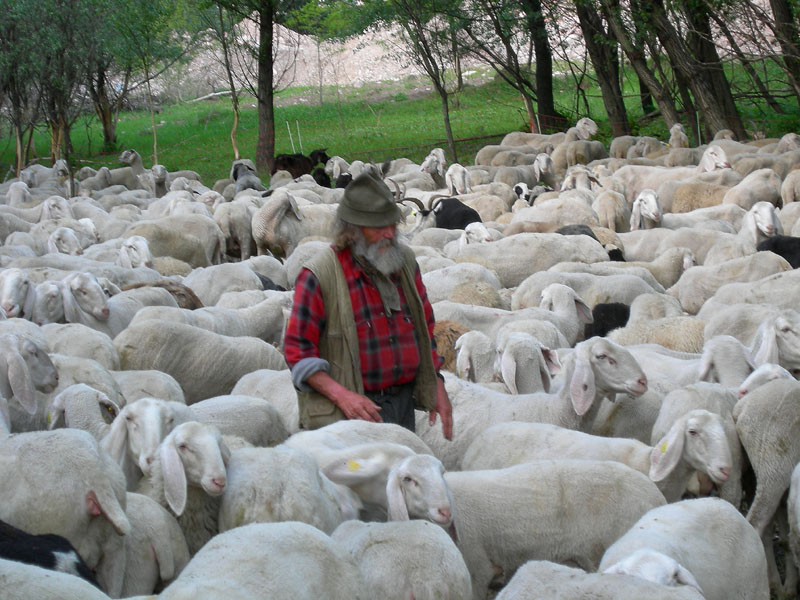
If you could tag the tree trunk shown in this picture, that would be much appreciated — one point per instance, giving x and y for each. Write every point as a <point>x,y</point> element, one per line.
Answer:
<point>446,117</point>
<point>789,40</point>
<point>606,66</point>
<point>700,44</point>
<point>152,113</point>
<point>19,139</point>
<point>705,97</point>
<point>98,90</point>
<point>265,149</point>
<point>544,58</point>
<point>639,63</point>
<point>231,83</point>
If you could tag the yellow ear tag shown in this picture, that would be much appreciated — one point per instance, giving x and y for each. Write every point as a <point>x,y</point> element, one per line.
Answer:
<point>663,448</point>
<point>353,465</point>
<point>49,418</point>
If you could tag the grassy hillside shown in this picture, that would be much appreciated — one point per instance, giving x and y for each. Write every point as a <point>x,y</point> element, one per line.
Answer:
<point>374,122</point>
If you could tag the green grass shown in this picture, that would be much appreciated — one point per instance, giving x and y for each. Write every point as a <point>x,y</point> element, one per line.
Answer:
<point>372,122</point>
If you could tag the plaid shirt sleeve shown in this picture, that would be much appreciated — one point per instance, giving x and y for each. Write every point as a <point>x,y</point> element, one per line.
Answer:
<point>306,321</point>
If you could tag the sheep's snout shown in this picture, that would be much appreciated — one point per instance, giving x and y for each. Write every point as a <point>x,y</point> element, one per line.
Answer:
<point>445,514</point>
<point>722,475</point>
<point>638,387</point>
<point>146,463</point>
<point>105,313</point>
<point>216,485</point>
<point>12,310</point>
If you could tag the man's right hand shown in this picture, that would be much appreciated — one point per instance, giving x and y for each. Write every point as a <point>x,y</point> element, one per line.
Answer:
<point>352,404</point>
<point>356,406</point>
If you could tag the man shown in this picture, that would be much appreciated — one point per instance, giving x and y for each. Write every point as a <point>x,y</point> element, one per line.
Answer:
<point>359,340</point>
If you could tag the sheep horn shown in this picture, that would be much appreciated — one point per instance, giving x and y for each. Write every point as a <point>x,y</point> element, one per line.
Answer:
<point>432,201</point>
<point>416,201</point>
<point>398,195</point>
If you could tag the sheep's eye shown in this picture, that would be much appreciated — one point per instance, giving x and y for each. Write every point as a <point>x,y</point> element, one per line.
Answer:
<point>601,356</point>
<point>785,329</point>
<point>183,447</point>
<point>612,362</point>
<point>129,418</point>
<point>693,432</point>
<point>408,479</point>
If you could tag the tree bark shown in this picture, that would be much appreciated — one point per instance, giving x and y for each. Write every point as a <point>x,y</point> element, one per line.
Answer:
<point>606,66</point>
<point>713,113</point>
<point>265,148</point>
<point>639,63</point>
<point>789,39</point>
<point>544,58</point>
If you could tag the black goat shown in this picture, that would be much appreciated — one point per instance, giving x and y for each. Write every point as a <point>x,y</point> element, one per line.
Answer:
<point>321,177</point>
<point>48,551</point>
<point>786,246</point>
<point>299,164</point>
<point>606,316</point>
<point>449,213</point>
<point>343,179</point>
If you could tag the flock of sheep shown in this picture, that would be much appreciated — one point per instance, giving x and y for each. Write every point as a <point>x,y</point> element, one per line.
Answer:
<point>147,416</point>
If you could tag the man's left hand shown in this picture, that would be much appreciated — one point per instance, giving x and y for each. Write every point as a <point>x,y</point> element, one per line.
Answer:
<point>443,409</point>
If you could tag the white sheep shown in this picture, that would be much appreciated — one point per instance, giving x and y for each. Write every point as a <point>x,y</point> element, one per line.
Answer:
<point>678,137</point>
<point>760,185</point>
<point>155,549</point>
<point>22,581</point>
<point>135,252</point>
<point>189,354</point>
<point>24,368</point>
<point>646,212</point>
<point>270,560</point>
<point>395,560</point>
<point>457,179</point>
<point>187,475</point>
<point>562,510</point>
<point>761,375</point>
<point>267,485</point>
<point>705,536</point>
<point>524,364</point>
<point>598,367</point>
<point>612,210</point>
<point>545,580</point>
<point>696,441</point>
<point>17,293</point>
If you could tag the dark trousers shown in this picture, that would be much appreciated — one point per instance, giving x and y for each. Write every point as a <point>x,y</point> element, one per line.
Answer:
<point>397,405</point>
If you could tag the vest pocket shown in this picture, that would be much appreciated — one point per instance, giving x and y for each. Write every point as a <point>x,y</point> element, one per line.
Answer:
<point>317,411</point>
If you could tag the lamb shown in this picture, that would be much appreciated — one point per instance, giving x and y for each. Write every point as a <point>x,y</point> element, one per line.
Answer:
<point>639,177</point>
<point>698,284</point>
<point>156,550</point>
<point>270,560</point>
<point>764,426</point>
<point>188,354</point>
<point>264,320</point>
<point>68,465</point>
<point>597,368</point>
<point>545,580</point>
<point>534,252</point>
<point>395,560</point>
<point>282,484</point>
<point>544,514</point>
<point>612,211</point>
<point>761,375</point>
<point>559,304</point>
<point>696,441</point>
<point>762,185</point>
<point>187,475</point>
<point>645,211</point>
<point>718,536</point>
<point>24,368</point>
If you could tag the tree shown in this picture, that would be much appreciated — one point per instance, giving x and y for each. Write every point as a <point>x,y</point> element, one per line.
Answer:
<point>19,63</point>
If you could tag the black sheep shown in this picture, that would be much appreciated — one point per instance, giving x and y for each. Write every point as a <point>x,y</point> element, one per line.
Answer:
<point>607,317</point>
<point>48,551</point>
<point>786,246</point>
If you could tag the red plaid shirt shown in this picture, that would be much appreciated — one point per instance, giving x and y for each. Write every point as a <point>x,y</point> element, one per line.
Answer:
<point>387,345</point>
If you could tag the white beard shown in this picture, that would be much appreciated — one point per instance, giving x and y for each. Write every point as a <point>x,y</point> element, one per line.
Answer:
<point>385,255</point>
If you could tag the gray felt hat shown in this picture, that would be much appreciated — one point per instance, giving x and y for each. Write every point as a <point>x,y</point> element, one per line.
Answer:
<point>368,202</point>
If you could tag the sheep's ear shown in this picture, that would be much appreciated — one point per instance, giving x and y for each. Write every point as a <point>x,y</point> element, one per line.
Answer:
<point>115,441</point>
<point>397,509</point>
<point>636,216</point>
<point>706,364</point>
<point>666,454</point>
<point>552,361</point>
<point>349,469</point>
<point>72,311</point>
<point>174,477</point>
<point>19,378</point>
<point>685,577</point>
<point>30,301</point>
<point>337,170</point>
<point>108,506</point>
<point>508,370</point>
<point>765,343</point>
<point>225,453</point>
<point>581,385</point>
<point>584,312</point>
<point>295,210</point>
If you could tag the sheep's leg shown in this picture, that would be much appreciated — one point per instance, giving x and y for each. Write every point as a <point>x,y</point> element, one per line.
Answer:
<point>765,503</point>
<point>773,576</point>
<point>790,579</point>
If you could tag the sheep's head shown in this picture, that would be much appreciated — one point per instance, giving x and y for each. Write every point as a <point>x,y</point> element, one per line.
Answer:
<point>713,158</point>
<point>656,567</point>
